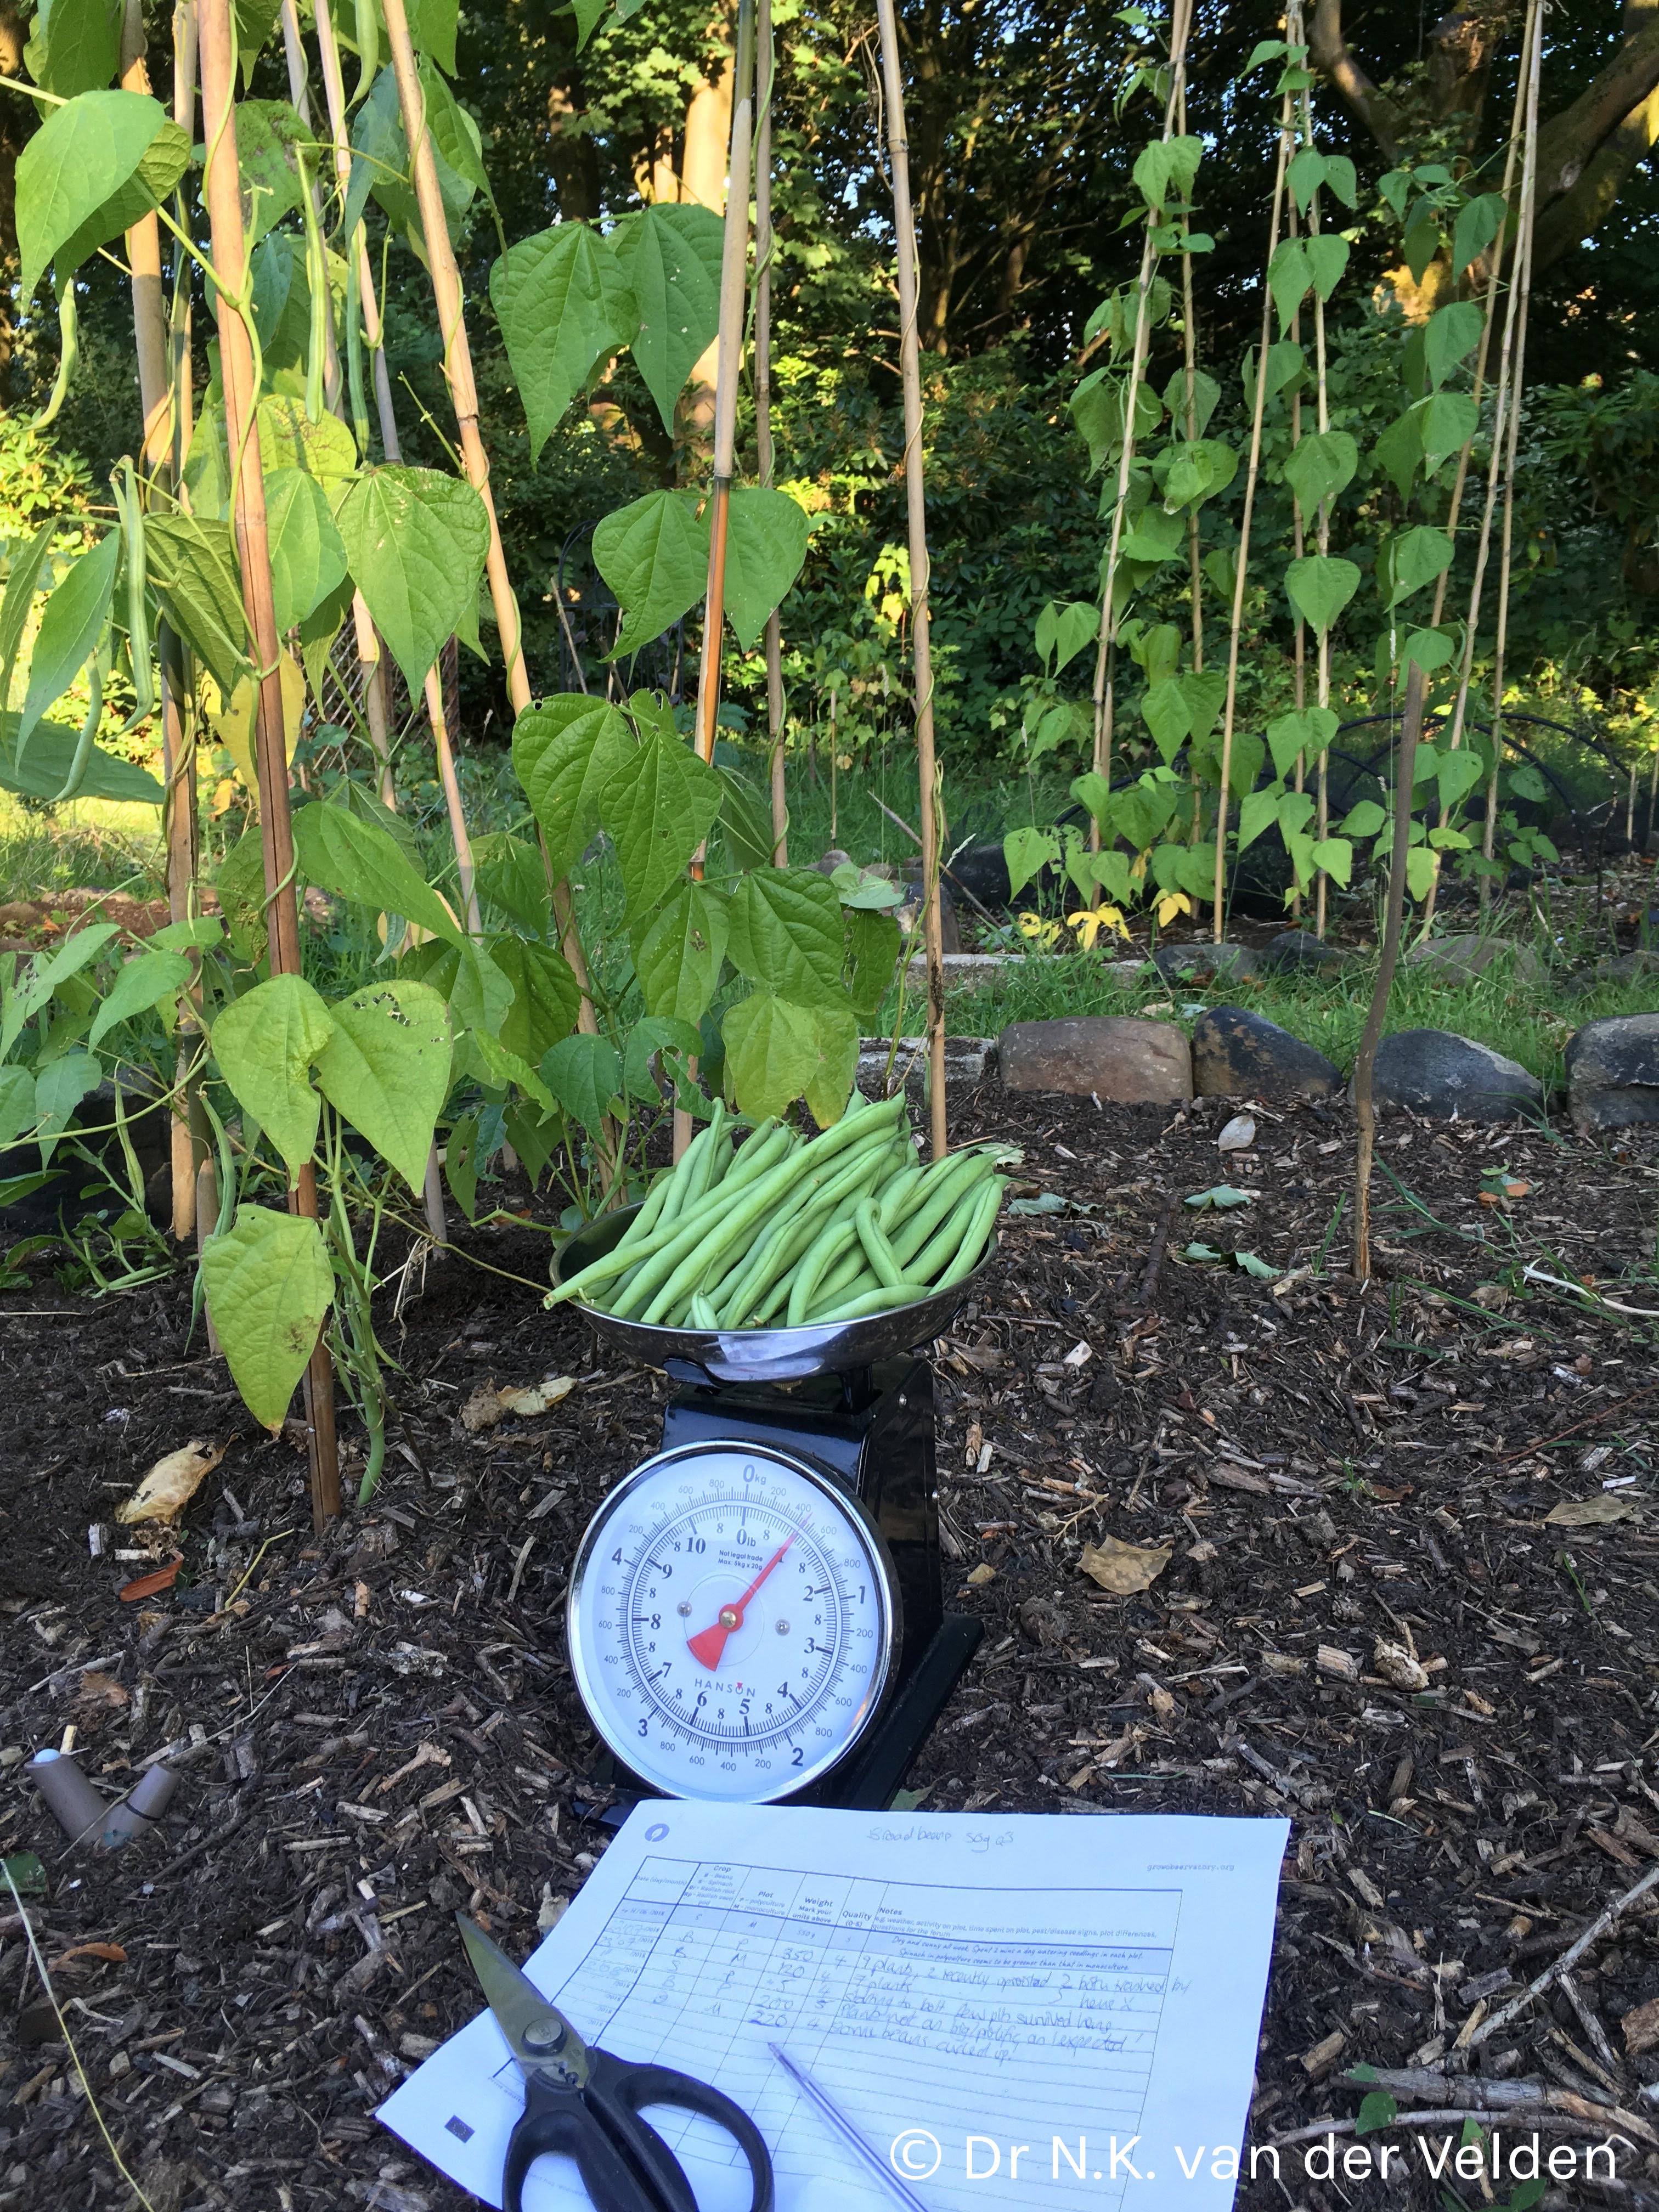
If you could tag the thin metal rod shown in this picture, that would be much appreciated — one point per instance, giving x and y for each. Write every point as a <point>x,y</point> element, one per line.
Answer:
<point>905,271</point>
<point>848,2133</point>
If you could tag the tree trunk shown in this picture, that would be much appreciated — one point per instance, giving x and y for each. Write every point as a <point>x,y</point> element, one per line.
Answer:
<point>702,177</point>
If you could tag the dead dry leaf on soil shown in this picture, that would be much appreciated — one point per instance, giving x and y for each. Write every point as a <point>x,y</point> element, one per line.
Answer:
<point>1123,1569</point>
<point>1593,1512</point>
<point>488,1405</point>
<point>172,1482</point>
<point>1641,2026</point>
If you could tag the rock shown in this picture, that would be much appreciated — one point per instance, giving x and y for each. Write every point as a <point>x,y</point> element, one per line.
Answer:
<point>1626,968</point>
<point>967,1061</point>
<point>1434,1073</point>
<point>1298,951</point>
<point>1461,959</point>
<point>1107,1055</point>
<point>1179,963</point>
<point>950,928</point>
<point>834,859</point>
<point>1239,1054</point>
<point>1613,1071</point>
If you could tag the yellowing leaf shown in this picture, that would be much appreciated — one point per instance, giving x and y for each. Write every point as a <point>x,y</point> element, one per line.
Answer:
<point>233,726</point>
<point>1123,1569</point>
<point>171,1483</point>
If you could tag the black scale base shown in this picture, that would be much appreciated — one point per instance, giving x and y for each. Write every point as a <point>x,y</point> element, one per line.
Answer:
<point>872,1431</point>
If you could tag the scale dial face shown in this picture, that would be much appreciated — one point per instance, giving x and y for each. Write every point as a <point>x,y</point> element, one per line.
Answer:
<point>732,1620</point>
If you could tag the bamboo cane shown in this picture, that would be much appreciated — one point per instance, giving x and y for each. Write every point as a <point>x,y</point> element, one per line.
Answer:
<point>1522,282</point>
<point>464,396</point>
<point>1300,632</point>
<point>764,251</point>
<point>1411,729</point>
<point>1323,519</point>
<point>224,200</point>
<point>1189,358</point>
<point>1252,472</point>
<point>369,657</point>
<point>728,357</point>
<point>1103,691</point>
<point>186,1148</point>
<point>915,498</point>
<point>1488,323</point>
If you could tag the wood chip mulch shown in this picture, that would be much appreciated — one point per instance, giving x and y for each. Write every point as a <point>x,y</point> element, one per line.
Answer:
<point>1367,1622</point>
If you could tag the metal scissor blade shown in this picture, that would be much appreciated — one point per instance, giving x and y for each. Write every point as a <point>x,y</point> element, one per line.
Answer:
<point>539,2036</point>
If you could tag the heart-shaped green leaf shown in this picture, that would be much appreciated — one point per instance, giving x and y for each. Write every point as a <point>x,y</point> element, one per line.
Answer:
<point>677,960</point>
<point>658,807</point>
<point>415,542</point>
<point>77,160</point>
<point>765,546</point>
<point>386,1067</point>
<point>566,749</point>
<point>1319,587</point>
<point>653,553</point>
<point>670,258</point>
<point>562,302</point>
<point>268,1286</point>
<point>264,1043</point>
<point>1321,467</point>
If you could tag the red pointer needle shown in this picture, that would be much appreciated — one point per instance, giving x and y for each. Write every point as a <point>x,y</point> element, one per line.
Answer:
<point>707,1647</point>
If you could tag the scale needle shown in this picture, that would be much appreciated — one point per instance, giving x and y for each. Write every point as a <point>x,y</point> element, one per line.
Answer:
<point>708,1647</point>
<point>847,2132</point>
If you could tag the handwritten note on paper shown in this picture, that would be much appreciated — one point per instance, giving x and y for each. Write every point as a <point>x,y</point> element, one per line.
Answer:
<point>1018,2011</point>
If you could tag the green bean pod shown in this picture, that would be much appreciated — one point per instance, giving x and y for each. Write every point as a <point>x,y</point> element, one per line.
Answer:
<point>836,1237</point>
<point>974,1237</point>
<point>960,1173</point>
<point>876,1249</point>
<point>703,1314</point>
<point>718,1229</point>
<point>872,1302</point>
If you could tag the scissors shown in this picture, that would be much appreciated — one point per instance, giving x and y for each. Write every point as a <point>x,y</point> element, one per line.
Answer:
<point>585,2103</point>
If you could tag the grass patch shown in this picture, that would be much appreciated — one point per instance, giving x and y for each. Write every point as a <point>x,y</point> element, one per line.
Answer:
<point>90,844</point>
<point>1529,1022</point>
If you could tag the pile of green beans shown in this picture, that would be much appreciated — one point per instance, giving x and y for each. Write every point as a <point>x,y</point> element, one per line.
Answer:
<point>777,1232</point>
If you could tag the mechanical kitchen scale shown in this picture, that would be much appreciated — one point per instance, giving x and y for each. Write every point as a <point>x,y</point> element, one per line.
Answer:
<point>756,1612</point>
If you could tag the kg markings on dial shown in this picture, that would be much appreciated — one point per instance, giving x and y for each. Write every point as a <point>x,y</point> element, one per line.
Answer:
<point>731,1622</point>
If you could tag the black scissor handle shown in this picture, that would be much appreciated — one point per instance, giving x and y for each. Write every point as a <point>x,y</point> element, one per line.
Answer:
<point>560,2124</point>
<point>632,2087</point>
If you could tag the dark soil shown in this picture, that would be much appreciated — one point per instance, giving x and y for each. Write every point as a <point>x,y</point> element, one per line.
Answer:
<point>377,1728</point>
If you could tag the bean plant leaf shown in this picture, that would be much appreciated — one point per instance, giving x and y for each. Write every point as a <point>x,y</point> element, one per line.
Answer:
<point>1308,731</point>
<point>264,1043</point>
<point>788,934</point>
<point>308,556</point>
<point>1452,335</point>
<point>1028,851</point>
<point>765,547</point>
<point>677,959</point>
<point>562,302</point>
<point>1328,257</point>
<point>566,750</point>
<point>1289,278</point>
<point>873,943</point>
<point>22,579</point>
<point>268,1286</point>
<point>1340,176</point>
<point>358,860</point>
<point>165,161</point>
<point>835,1039</point>
<point>255,21</point>
<point>1479,222</point>
<point>76,46</point>
<point>143,982</point>
<point>50,757</point>
<point>385,1066</point>
<point>658,807</point>
<point>1321,467</point>
<point>1448,420</point>
<point>432,31</point>
<point>671,256</point>
<point>265,132</point>
<point>771,1052</point>
<point>653,553</point>
<point>511,874</point>
<point>192,565</point>
<point>585,1075</point>
<point>80,157</point>
<point>1063,630</point>
<point>1398,451</point>
<point>415,542</point>
<point>288,439</point>
<point>545,996</point>
<point>1319,587</point>
<point>648,1040</point>
<point>1335,856</point>
<point>1410,560</point>
<point>17,1108</point>
<point>60,1087</point>
<point>70,627</point>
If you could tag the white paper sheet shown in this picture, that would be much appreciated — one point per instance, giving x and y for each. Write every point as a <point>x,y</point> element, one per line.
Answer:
<point>1084,1992</point>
